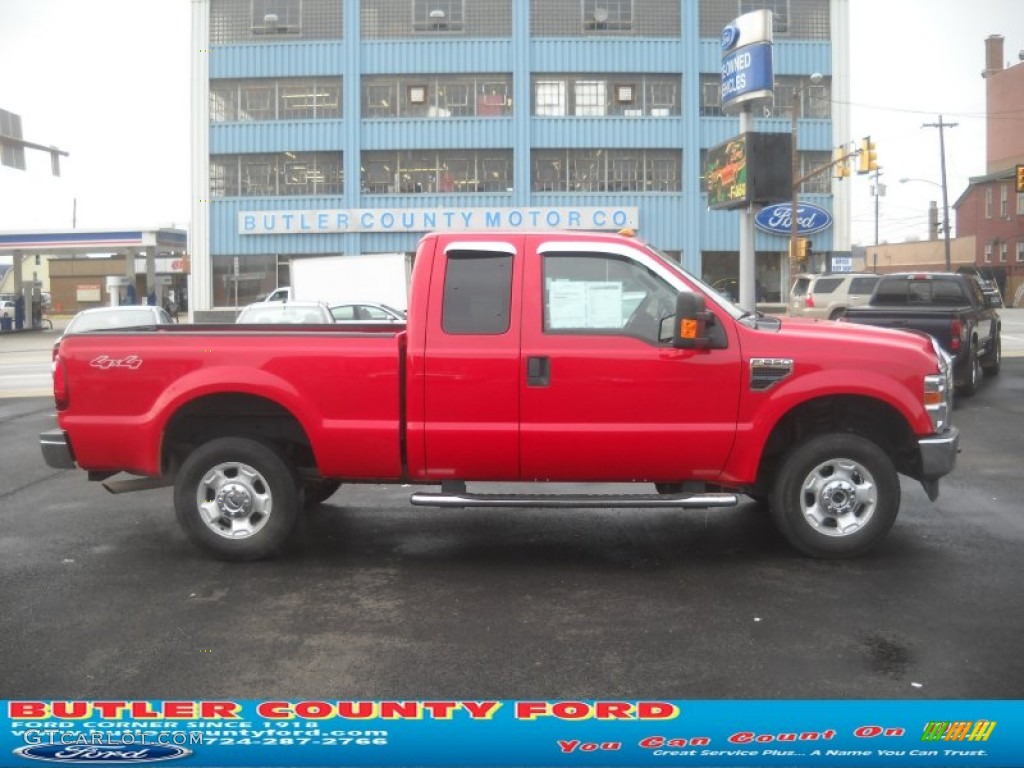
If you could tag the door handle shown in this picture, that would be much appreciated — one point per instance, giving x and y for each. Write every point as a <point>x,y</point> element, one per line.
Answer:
<point>538,371</point>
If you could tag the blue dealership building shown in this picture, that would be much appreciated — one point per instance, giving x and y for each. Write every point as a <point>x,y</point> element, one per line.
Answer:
<point>333,127</point>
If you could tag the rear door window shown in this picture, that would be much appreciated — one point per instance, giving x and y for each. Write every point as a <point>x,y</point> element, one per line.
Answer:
<point>827,284</point>
<point>863,285</point>
<point>477,293</point>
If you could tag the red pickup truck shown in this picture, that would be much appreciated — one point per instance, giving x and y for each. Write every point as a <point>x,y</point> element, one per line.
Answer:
<point>542,356</point>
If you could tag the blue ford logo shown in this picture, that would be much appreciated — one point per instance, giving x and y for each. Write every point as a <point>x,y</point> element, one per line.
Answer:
<point>778,219</point>
<point>104,755</point>
<point>730,36</point>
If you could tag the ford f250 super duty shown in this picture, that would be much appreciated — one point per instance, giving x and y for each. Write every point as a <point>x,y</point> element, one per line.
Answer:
<point>545,356</point>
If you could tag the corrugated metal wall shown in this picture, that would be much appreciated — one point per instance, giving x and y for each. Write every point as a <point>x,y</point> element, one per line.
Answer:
<point>676,221</point>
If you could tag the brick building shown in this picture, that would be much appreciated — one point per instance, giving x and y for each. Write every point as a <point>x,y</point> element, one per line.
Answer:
<point>991,210</point>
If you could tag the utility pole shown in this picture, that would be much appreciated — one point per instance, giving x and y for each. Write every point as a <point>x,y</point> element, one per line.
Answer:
<point>945,195</point>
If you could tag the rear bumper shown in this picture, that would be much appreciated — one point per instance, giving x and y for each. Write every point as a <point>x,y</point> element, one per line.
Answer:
<point>938,453</point>
<point>56,449</point>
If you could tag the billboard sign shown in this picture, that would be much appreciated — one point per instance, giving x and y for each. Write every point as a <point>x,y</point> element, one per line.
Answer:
<point>748,169</point>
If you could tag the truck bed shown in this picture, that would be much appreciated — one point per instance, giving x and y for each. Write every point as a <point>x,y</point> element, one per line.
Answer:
<point>341,386</point>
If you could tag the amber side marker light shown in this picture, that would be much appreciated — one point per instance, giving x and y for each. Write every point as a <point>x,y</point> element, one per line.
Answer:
<point>627,232</point>
<point>688,329</point>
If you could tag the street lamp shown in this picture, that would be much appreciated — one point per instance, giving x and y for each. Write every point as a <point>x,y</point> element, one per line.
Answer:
<point>793,230</point>
<point>945,215</point>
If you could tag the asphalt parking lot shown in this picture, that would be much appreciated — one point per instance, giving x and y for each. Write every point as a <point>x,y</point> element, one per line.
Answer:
<point>103,596</point>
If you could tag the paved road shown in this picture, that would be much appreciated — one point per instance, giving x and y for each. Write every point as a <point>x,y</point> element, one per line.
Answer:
<point>102,595</point>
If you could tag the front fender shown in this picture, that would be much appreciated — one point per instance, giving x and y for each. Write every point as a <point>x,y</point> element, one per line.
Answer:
<point>761,412</point>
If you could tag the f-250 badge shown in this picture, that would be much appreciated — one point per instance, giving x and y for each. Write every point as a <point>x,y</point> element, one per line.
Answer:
<point>106,363</point>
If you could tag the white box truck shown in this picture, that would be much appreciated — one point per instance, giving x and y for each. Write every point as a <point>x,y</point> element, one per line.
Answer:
<point>378,278</point>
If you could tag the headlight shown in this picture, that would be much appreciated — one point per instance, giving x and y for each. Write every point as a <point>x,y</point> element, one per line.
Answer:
<point>938,390</point>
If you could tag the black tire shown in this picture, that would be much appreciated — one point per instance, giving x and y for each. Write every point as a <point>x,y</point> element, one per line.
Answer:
<point>991,362</point>
<point>668,489</point>
<point>835,496</point>
<point>972,372</point>
<point>837,313</point>
<point>319,490</point>
<point>237,499</point>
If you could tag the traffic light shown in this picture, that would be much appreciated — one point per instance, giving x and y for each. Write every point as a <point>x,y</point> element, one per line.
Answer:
<point>1020,178</point>
<point>801,249</point>
<point>868,158</point>
<point>839,158</point>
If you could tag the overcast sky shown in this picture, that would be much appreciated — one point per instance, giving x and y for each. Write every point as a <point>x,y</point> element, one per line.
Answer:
<point>108,81</point>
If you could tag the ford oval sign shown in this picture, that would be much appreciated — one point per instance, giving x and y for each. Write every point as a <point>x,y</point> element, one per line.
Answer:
<point>730,36</point>
<point>102,754</point>
<point>777,219</point>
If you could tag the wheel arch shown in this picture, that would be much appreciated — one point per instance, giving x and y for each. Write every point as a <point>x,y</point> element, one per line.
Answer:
<point>234,414</point>
<point>868,417</point>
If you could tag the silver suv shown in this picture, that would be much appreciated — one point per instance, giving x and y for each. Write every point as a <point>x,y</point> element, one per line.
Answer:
<point>828,296</point>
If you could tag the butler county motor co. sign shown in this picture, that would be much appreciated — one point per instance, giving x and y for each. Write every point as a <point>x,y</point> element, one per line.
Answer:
<point>433,219</point>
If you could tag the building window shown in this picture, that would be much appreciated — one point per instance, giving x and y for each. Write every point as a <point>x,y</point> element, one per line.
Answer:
<point>821,183</point>
<point>256,277</point>
<point>988,253</point>
<point>1020,203</point>
<point>275,175</point>
<point>585,18</point>
<point>549,98</point>
<point>1004,201</point>
<point>418,96</point>
<point>280,99</point>
<point>620,95</point>
<point>808,19</point>
<point>1003,247</point>
<point>438,16</point>
<point>711,96</point>
<point>237,21</point>
<point>606,170</point>
<point>607,15</point>
<point>988,202</point>
<point>779,9</point>
<point>1020,251</point>
<point>436,171</point>
<point>809,100</point>
<point>590,98</point>
<point>276,17</point>
<point>404,19</point>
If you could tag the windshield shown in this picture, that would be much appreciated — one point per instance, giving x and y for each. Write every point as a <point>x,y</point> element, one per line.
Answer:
<point>110,319</point>
<point>701,286</point>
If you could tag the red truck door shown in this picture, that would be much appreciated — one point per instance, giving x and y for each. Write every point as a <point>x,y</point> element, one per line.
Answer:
<point>470,370</point>
<point>601,399</point>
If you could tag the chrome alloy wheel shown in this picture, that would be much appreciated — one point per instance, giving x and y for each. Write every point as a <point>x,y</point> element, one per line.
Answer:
<point>838,497</point>
<point>234,500</point>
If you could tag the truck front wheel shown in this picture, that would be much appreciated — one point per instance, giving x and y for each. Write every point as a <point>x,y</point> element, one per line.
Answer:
<point>837,495</point>
<point>237,499</point>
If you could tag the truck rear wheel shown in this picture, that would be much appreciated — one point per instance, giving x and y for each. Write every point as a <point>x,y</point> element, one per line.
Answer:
<point>837,495</point>
<point>237,499</point>
<point>990,364</point>
<point>972,372</point>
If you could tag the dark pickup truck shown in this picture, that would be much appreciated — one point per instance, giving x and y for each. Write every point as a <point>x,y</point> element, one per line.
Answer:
<point>952,308</point>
